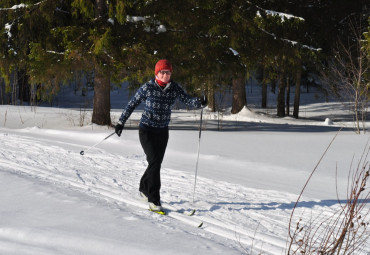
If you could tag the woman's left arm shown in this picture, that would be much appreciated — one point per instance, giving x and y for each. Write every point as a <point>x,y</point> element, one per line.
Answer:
<point>186,99</point>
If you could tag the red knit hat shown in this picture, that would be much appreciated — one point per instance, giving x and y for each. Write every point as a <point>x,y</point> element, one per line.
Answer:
<point>162,65</point>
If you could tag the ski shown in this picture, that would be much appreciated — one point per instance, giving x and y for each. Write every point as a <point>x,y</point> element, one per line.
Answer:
<point>158,212</point>
<point>180,215</point>
<point>173,210</point>
<point>192,213</point>
<point>163,212</point>
<point>168,211</point>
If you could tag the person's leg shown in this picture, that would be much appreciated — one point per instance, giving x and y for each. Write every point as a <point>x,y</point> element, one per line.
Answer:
<point>154,145</point>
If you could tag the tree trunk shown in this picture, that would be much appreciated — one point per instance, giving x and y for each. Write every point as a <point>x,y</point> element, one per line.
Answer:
<point>281,97</point>
<point>101,109</point>
<point>100,8</point>
<point>24,86</point>
<point>14,87</point>
<point>239,95</point>
<point>211,99</point>
<point>287,104</point>
<point>264,90</point>
<point>297,95</point>
<point>211,96</point>
<point>2,88</point>
<point>273,86</point>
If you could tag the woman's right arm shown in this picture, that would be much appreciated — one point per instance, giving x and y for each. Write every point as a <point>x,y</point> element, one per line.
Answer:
<point>139,97</point>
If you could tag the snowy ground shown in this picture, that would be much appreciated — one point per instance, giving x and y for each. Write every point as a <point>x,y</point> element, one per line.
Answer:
<point>252,168</point>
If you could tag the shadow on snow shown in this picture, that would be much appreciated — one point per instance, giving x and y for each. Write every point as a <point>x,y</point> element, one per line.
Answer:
<point>284,206</point>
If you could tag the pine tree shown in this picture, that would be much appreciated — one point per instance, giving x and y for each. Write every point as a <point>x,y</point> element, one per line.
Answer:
<point>98,37</point>
<point>17,33</point>
<point>214,45</point>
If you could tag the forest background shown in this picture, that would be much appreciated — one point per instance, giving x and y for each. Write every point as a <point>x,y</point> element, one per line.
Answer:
<point>214,45</point>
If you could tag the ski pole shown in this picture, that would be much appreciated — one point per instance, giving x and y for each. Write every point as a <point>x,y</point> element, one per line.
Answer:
<point>196,166</point>
<point>82,152</point>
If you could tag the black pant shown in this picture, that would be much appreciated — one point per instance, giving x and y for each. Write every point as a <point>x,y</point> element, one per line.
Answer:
<point>154,143</point>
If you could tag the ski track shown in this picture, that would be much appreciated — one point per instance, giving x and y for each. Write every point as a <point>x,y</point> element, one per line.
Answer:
<point>244,215</point>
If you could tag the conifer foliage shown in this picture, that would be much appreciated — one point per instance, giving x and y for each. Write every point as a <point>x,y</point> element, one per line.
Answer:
<point>214,45</point>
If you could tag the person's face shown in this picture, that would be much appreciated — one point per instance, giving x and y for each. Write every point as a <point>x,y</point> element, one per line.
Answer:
<point>164,75</point>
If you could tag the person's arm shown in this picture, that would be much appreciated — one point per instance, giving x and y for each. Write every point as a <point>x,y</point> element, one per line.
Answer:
<point>189,100</point>
<point>139,97</point>
<point>132,104</point>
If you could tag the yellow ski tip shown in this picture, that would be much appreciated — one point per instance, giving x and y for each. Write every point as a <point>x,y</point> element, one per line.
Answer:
<point>158,212</point>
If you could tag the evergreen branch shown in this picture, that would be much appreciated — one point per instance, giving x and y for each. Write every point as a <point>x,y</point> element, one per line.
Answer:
<point>60,10</point>
<point>19,6</point>
<point>275,13</point>
<point>9,25</point>
<point>280,14</point>
<point>282,39</point>
<point>54,52</point>
<point>14,7</point>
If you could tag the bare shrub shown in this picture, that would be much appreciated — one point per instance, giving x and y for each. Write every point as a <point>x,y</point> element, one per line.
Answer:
<point>83,114</point>
<point>5,117</point>
<point>346,230</point>
<point>347,77</point>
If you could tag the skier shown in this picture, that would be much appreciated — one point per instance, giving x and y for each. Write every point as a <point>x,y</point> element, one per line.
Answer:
<point>159,95</point>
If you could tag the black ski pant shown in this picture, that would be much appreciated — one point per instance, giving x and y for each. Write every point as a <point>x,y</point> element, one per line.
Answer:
<point>154,143</point>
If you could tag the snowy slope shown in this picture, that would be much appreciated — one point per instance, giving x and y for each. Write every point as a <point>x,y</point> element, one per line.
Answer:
<point>55,201</point>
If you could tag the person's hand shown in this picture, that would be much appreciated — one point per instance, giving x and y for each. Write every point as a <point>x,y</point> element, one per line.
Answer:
<point>119,128</point>
<point>203,101</point>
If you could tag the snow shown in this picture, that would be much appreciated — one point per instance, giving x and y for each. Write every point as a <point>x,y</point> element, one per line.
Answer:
<point>135,18</point>
<point>8,27</point>
<point>234,52</point>
<point>22,5</point>
<point>161,29</point>
<point>14,7</point>
<point>252,167</point>
<point>282,15</point>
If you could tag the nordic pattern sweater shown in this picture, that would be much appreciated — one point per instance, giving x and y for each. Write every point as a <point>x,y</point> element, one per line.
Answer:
<point>158,103</point>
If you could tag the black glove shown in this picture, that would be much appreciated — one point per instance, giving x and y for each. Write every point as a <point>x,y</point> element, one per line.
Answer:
<point>119,128</point>
<point>203,101</point>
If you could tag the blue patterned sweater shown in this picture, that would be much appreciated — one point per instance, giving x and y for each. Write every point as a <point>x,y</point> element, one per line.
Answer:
<point>158,103</point>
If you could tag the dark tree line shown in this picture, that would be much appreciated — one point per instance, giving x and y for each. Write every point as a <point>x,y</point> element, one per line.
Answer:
<point>212,43</point>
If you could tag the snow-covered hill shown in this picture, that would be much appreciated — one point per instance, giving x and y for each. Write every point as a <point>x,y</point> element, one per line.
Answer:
<point>252,168</point>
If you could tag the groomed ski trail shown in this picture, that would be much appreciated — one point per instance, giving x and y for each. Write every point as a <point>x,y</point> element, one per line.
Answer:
<point>246,216</point>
